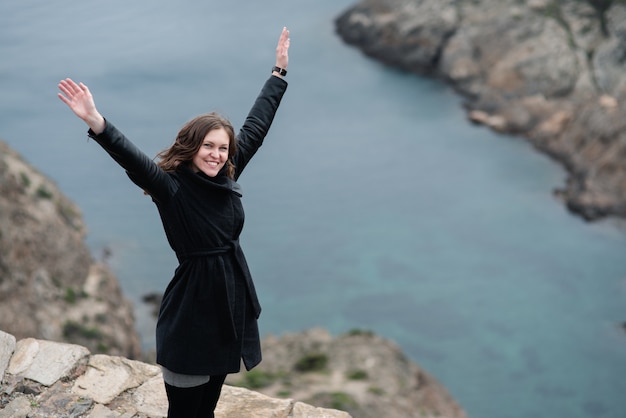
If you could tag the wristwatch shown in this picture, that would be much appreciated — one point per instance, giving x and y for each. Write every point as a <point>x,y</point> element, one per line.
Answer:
<point>279,70</point>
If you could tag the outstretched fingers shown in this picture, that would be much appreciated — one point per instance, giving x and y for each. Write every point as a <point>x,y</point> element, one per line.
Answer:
<point>282,49</point>
<point>284,35</point>
<point>68,86</point>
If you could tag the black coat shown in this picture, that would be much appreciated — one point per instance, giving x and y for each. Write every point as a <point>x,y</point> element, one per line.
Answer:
<point>207,321</point>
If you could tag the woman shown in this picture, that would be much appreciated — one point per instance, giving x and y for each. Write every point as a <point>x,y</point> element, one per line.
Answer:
<point>208,317</point>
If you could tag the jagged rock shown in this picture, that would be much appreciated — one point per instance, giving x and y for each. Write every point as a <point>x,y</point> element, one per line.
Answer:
<point>106,377</point>
<point>17,408</point>
<point>7,347</point>
<point>50,286</point>
<point>551,71</point>
<point>358,372</point>
<point>44,361</point>
<point>78,384</point>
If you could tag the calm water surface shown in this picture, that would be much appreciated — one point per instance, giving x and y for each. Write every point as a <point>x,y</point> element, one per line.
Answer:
<point>373,204</point>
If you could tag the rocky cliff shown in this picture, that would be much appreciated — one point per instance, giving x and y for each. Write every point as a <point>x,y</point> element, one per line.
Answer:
<point>43,379</point>
<point>551,71</point>
<point>357,372</point>
<point>50,286</point>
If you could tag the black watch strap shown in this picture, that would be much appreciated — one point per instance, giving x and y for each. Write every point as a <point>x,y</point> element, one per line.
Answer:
<point>279,70</point>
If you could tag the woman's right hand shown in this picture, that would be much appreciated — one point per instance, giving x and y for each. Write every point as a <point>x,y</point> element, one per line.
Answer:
<point>79,99</point>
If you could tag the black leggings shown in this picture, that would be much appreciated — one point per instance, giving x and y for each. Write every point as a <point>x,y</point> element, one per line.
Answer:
<point>194,402</point>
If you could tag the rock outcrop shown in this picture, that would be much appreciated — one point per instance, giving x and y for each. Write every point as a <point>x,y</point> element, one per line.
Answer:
<point>357,372</point>
<point>50,285</point>
<point>43,379</point>
<point>551,71</point>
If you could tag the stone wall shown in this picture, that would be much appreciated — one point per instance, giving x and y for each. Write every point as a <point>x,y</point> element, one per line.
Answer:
<point>48,379</point>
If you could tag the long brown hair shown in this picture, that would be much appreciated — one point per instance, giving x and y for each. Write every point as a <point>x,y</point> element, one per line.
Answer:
<point>190,139</point>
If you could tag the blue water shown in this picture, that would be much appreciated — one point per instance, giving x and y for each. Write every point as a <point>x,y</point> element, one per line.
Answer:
<point>374,204</point>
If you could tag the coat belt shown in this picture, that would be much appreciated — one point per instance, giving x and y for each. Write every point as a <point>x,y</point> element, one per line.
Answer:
<point>207,252</point>
<point>236,249</point>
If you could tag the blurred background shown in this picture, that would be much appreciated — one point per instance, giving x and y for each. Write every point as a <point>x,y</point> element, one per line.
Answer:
<point>373,204</point>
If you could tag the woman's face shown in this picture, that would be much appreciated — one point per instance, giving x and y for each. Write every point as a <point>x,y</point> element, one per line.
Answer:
<point>213,153</point>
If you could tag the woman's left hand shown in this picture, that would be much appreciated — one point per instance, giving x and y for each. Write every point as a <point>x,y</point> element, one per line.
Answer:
<point>282,49</point>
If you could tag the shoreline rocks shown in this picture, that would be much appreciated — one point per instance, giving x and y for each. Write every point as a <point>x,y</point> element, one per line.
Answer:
<point>549,71</point>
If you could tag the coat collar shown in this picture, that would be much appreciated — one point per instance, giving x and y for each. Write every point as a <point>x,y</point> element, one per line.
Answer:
<point>220,181</point>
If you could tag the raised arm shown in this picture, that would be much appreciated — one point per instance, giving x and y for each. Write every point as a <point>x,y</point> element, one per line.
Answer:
<point>260,117</point>
<point>140,168</point>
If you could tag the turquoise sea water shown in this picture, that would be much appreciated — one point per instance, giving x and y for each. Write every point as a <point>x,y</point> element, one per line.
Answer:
<point>374,204</point>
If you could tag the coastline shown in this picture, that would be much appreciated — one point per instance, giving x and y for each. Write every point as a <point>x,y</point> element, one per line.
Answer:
<point>545,71</point>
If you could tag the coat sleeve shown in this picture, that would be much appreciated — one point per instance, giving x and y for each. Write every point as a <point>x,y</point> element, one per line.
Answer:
<point>142,171</point>
<point>258,122</point>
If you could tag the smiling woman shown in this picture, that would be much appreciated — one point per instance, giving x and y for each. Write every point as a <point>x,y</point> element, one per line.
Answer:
<point>208,317</point>
<point>208,141</point>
